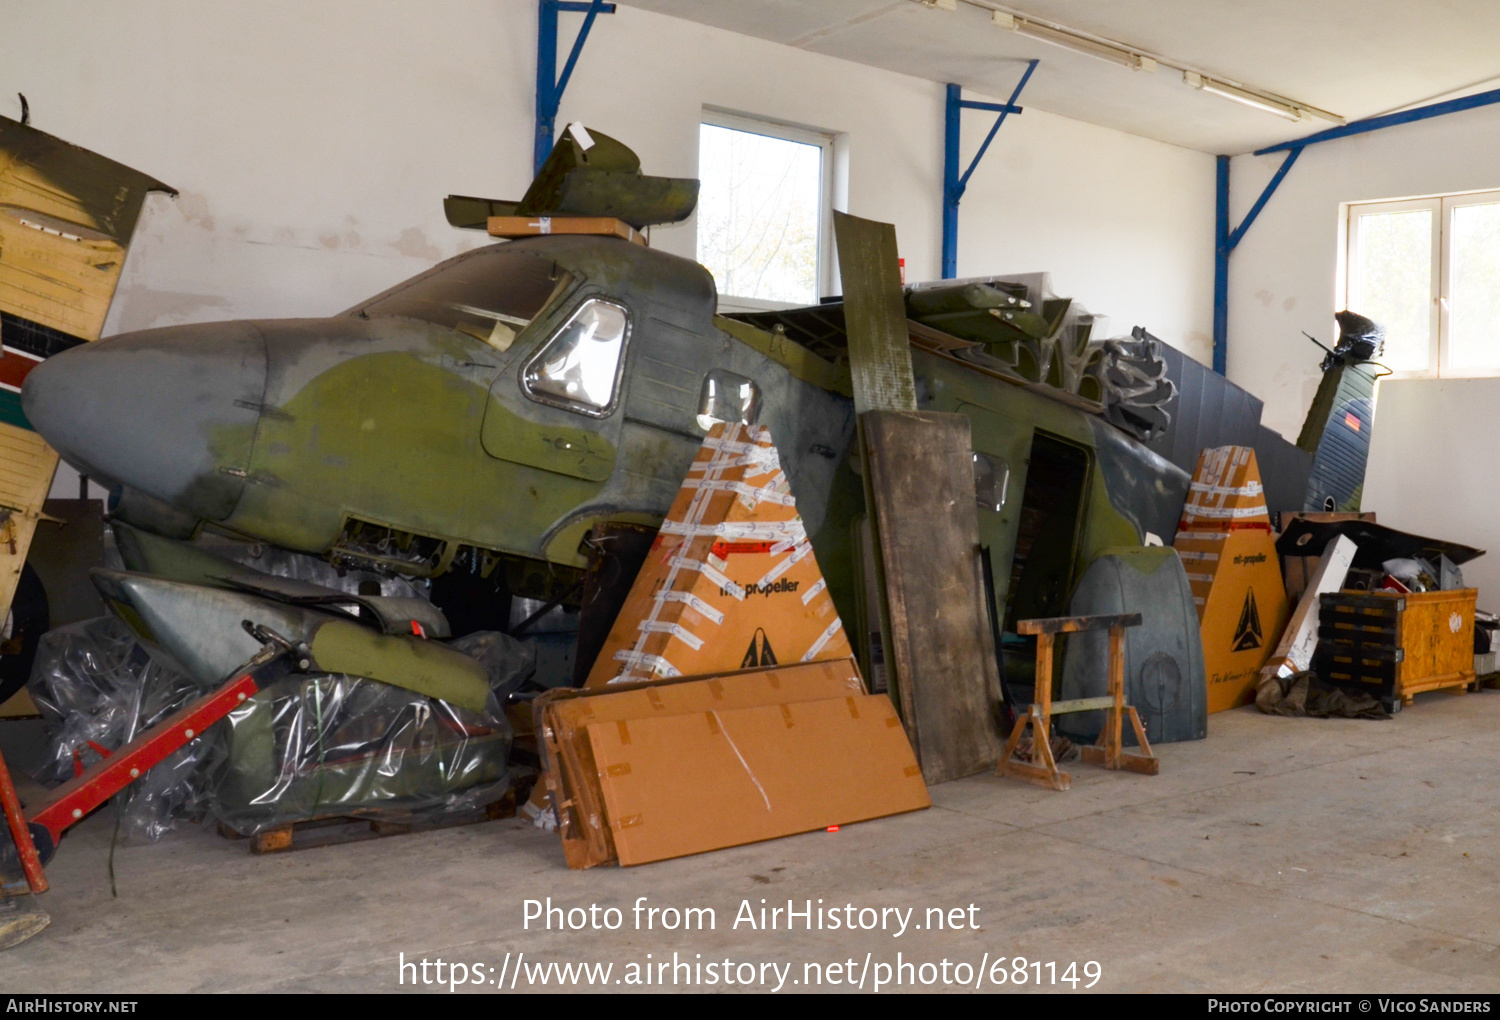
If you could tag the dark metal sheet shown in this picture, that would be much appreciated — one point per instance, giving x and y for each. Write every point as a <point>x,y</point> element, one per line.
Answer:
<point>1376,543</point>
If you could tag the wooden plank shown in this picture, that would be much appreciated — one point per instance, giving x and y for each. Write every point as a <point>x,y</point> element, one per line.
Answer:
<point>920,480</point>
<point>541,226</point>
<point>1074,624</point>
<point>875,316</point>
<point>1082,705</point>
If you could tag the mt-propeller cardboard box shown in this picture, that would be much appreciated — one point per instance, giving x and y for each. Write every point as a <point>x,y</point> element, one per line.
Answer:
<point>757,773</point>
<point>575,778</point>
<point>731,580</point>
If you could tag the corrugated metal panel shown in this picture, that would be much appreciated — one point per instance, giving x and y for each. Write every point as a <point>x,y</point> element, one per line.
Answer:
<point>1338,468</point>
<point>1211,411</point>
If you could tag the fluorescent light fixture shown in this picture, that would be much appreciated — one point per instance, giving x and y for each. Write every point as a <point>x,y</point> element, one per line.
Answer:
<point>1078,44</point>
<point>1239,95</point>
<point>1127,56</point>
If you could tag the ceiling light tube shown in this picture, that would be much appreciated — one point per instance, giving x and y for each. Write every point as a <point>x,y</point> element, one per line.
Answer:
<point>1218,88</point>
<point>1079,44</point>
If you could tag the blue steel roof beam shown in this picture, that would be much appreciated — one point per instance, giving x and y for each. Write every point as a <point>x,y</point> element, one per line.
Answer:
<point>1360,127</point>
<point>1226,241</point>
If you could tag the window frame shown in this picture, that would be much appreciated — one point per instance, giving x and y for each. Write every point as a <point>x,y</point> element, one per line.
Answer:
<point>562,323</point>
<point>1439,361</point>
<point>787,132</point>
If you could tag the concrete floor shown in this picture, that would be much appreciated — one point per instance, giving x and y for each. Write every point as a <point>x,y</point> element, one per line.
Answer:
<point>1278,855</point>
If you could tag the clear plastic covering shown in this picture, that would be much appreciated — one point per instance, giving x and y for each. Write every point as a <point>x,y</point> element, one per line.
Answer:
<point>98,689</point>
<point>334,745</point>
<point>305,747</point>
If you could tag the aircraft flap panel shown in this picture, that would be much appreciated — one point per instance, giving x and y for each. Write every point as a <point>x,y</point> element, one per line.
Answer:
<point>66,217</point>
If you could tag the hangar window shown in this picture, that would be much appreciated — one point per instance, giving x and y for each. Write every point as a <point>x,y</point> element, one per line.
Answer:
<point>763,210</point>
<point>579,368</point>
<point>1428,270</point>
<point>490,295</point>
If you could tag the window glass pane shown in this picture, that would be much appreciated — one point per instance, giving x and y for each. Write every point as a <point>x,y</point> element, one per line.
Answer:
<point>1395,284</point>
<point>991,481</point>
<point>581,364</point>
<point>490,295</point>
<point>759,211</point>
<point>1474,299</point>
<point>727,397</point>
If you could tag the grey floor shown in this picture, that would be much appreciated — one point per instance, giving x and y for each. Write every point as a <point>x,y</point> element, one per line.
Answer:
<point>1279,854</point>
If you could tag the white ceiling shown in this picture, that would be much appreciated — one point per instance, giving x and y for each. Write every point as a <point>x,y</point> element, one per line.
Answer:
<point>1355,58</point>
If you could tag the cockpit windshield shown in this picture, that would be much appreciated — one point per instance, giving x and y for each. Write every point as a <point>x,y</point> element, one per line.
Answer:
<point>491,295</point>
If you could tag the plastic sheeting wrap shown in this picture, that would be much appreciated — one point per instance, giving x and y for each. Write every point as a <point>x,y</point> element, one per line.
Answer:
<point>305,747</point>
<point>98,689</point>
<point>311,747</point>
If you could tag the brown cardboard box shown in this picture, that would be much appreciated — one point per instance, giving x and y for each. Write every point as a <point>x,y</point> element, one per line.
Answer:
<point>564,716</point>
<point>731,581</point>
<point>757,773</point>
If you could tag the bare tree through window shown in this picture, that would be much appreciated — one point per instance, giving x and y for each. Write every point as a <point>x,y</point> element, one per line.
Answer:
<point>759,213</point>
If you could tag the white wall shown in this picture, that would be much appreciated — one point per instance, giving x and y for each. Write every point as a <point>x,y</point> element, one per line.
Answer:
<point>1124,224</point>
<point>1434,468</point>
<point>313,144</point>
<point>1282,277</point>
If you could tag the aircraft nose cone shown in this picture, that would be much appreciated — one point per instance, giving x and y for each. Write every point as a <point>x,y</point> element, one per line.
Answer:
<point>170,412</point>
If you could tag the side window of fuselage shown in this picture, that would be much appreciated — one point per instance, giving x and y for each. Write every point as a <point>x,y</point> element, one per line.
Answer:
<point>579,367</point>
<point>727,397</point>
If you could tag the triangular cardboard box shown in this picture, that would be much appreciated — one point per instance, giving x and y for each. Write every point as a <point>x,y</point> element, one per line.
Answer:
<point>731,581</point>
<point>1224,540</point>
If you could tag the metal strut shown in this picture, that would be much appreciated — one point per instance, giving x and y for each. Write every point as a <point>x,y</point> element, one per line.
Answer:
<point>954,183</point>
<point>549,86</point>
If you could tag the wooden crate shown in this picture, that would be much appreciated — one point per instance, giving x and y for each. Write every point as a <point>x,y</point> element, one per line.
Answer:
<point>1395,646</point>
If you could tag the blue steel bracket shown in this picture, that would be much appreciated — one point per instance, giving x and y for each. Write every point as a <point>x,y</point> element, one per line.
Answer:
<point>1226,241</point>
<point>549,86</point>
<point>954,183</point>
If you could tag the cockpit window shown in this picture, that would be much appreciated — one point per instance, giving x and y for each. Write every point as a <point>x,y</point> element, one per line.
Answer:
<point>491,295</point>
<point>579,368</point>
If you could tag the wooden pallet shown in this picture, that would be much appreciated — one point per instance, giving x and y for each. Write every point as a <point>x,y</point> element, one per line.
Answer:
<point>332,830</point>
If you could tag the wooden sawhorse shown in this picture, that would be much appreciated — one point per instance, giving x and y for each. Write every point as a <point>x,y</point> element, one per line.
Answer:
<point>1106,751</point>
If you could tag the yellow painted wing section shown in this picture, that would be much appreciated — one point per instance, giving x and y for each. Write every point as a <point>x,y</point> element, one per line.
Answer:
<point>66,219</point>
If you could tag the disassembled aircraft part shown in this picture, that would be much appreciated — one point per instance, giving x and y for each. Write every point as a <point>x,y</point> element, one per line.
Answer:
<point>1164,668</point>
<point>600,178</point>
<point>200,628</point>
<point>1136,386</point>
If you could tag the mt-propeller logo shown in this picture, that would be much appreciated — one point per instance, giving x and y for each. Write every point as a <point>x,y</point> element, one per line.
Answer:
<point>1247,633</point>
